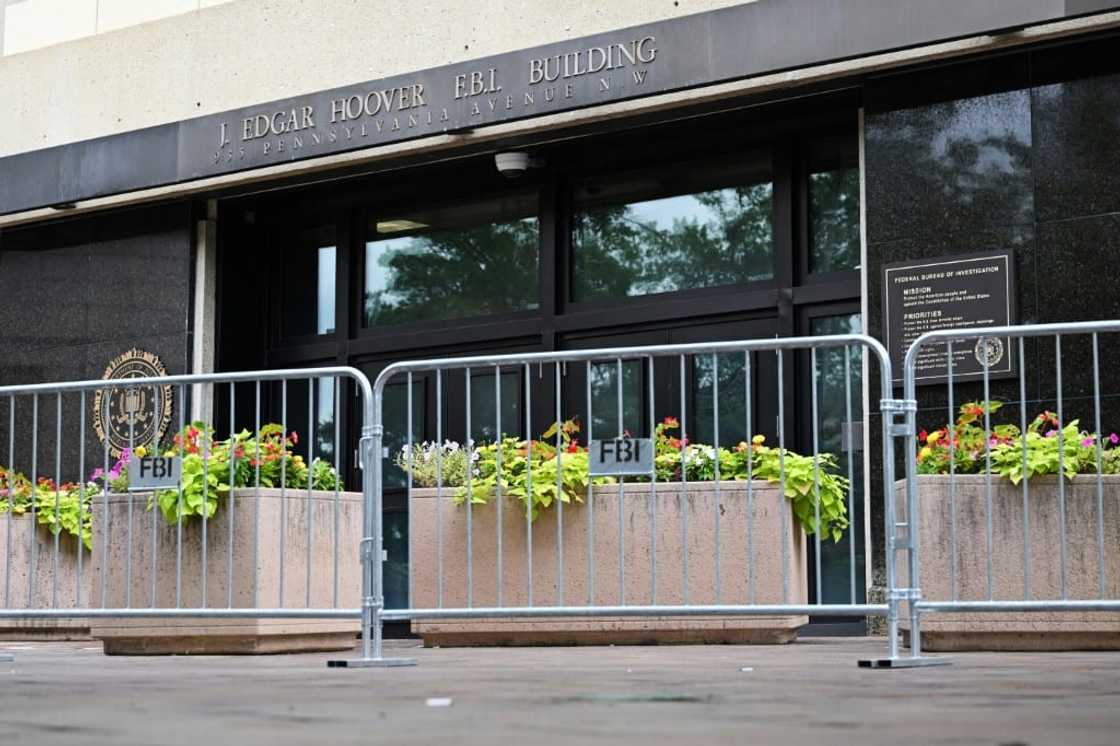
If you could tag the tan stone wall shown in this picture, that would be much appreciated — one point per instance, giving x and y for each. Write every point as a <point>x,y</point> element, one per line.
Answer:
<point>249,51</point>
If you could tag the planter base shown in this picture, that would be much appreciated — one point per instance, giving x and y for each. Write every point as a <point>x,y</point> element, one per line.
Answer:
<point>44,630</point>
<point>611,631</point>
<point>967,508</point>
<point>1013,631</point>
<point>200,636</point>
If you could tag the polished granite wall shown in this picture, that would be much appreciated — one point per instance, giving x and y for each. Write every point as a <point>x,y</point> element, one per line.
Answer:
<point>1019,152</point>
<point>75,294</point>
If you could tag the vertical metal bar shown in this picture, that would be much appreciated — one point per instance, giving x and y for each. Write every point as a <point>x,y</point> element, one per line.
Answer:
<point>499,529</point>
<point>131,506</point>
<point>715,446</point>
<point>179,513</point>
<point>750,478</point>
<point>621,497</point>
<point>310,474</point>
<point>283,485</point>
<point>954,581</point>
<point>439,488</point>
<point>105,515</point>
<point>816,472</point>
<point>206,443</point>
<point>81,494</point>
<point>590,499</point>
<point>851,474</point>
<point>411,451</point>
<point>57,496</point>
<point>469,445</point>
<point>890,519</point>
<point>152,564</point>
<point>1100,472</point>
<point>32,574</point>
<point>785,527</point>
<point>336,448</point>
<point>529,482</point>
<point>652,491</point>
<point>987,474</point>
<point>232,483</point>
<point>559,496</point>
<point>1025,481</point>
<point>373,565</point>
<point>1061,459</point>
<point>257,487</point>
<point>684,501</point>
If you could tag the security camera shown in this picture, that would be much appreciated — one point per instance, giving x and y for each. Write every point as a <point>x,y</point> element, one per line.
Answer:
<point>512,164</point>
<point>516,163</point>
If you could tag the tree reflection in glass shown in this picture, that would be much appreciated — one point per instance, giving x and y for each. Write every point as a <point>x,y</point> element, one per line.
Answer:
<point>450,262</point>
<point>656,233</point>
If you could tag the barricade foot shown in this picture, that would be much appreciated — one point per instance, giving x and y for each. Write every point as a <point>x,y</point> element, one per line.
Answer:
<point>372,663</point>
<point>908,662</point>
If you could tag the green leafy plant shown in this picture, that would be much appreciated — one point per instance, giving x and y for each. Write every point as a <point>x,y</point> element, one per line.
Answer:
<point>539,473</point>
<point>536,472</point>
<point>266,460</point>
<point>60,508</point>
<point>1048,445</point>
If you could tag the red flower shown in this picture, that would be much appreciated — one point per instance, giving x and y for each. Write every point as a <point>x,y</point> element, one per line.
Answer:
<point>573,447</point>
<point>922,436</point>
<point>670,422</point>
<point>294,437</point>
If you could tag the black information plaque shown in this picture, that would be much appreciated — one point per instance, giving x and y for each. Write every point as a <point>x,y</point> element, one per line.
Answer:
<point>952,292</point>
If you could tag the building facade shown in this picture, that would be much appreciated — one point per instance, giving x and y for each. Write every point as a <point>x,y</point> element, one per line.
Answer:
<point>246,185</point>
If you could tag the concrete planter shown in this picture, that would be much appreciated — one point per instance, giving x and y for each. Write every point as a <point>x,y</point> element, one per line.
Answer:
<point>51,586</point>
<point>196,635</point>
<point>673,504</point>
<point>1018,630</point>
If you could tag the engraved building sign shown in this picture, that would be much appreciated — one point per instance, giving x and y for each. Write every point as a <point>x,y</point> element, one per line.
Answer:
<point>953,292</point>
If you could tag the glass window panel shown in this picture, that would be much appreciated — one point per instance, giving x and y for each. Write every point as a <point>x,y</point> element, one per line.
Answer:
<point>320,442</point>
<point>604,399</point>
<point>307,305</point>
<point>834,242</point>
<point>453,261</point>
<point>394,537</point>
<point>731,401</point>
<point>708,225</point>
<point>484,414</point>
<point>832,389</point>
<point>325,418</point>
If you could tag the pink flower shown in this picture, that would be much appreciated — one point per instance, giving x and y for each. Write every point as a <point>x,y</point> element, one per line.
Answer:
<point>1114,438</point>
<point>1087,442</point>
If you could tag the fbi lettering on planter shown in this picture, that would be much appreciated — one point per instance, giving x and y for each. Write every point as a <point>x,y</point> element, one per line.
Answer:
<point>621,456</point>
<point>155,471</point>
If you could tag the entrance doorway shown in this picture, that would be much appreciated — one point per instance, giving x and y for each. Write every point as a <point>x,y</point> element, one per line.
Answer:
<point>737,225</point>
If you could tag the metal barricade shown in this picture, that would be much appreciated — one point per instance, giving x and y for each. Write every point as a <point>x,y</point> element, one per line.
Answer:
<point>81,545</point>
<point>495,547</point>
<point>975,566</point>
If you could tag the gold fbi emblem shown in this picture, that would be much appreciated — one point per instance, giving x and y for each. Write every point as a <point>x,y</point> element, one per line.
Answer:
<point>130,416</point>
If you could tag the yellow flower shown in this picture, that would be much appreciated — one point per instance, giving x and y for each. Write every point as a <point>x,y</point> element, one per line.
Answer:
<point>758,440</point>
<point>934,437</point>
<point>924,453</point>
<point>141,451</point>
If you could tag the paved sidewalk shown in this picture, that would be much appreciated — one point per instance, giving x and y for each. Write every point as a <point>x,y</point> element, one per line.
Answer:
<point>807,693</point>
